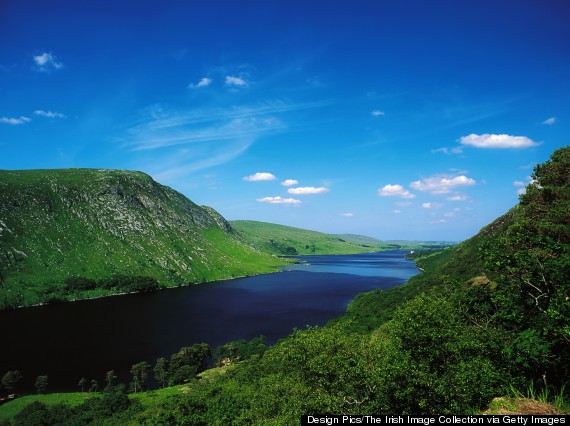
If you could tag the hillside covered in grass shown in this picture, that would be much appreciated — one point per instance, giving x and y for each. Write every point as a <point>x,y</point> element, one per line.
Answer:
<point>73,233</point>
<point>287,240</point>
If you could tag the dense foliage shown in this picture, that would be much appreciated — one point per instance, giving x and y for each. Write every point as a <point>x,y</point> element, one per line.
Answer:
<point>490,314</point>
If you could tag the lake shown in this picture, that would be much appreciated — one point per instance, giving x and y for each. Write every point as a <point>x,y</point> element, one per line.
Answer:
<point>89,338</point>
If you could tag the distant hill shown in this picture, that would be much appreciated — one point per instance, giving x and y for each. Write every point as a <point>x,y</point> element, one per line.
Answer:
<point>394,244</point>
<point>286,240</point>
<point>88,224</point>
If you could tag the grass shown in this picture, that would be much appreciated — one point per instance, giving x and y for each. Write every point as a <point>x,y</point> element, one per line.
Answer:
<point>10,409</point>
<point>148,399</point>
<point>285,240</point>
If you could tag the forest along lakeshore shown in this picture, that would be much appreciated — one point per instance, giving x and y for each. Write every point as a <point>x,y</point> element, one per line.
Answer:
<point>488,318</point>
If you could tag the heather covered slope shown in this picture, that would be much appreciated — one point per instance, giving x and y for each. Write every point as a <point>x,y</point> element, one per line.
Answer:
<point>97,224</point>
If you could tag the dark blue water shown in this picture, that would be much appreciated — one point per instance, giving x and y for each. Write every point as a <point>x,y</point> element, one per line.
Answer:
<point>89,338</point>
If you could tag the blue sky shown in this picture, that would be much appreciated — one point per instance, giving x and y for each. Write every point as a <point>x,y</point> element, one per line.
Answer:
<point>399,120</point>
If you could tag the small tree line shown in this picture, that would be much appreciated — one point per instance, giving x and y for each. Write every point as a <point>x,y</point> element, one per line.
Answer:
<point>179,368</point>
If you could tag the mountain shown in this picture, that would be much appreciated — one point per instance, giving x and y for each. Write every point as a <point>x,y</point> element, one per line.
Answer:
<point>63,230</point>
<point>286,240</point>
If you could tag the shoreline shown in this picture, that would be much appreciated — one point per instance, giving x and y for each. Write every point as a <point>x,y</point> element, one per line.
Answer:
<point>102,296</point>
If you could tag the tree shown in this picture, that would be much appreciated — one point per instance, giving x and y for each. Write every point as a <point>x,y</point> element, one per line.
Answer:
<point>82,383</point>
<point>111,378</point>
<point>41,384</point>
<point>140,374</point>
<point>182,375</point>
<point>94,386</point>
<point>10,379</point>
<point>161,371</point>
<point>196,355</point>
<point>530,263</point>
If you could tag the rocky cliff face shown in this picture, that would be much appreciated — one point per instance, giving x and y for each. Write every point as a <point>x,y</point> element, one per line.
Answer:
<point>92,223</point>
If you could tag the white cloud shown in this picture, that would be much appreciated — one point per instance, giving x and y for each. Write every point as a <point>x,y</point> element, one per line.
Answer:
<point>438,221</point>
<point>395,191</point>
<point>49,114</point>
<point>307,190</point>
<point>204,82</point>
<point>441,184</point>
<point>259,176</point>
<point>497,141</point>
<point>518,183</point>
<point>521,191</point>
<point>47,62</point>
<point>449,214</point>
<point>397,211</point>
<point>289,182</point>
<point>346,214</point>
<point>457,198</point>
<point>278,200</point>
<point>15,121</point>
<point>432,205</point>
<point>235,81</point>
<point>448,151</point>
<point>377,113</point>
<point>550,120</point>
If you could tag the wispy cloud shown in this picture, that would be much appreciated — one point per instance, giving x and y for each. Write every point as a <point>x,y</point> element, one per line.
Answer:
<point>49,114</point>
<point>279,200</point>
<point>346,214</point>
<point>15,121</point>
<point>550,120</point>
<point>171,143</point>
<point>493,141</point>
<point>204,82</point>
<point>448,151</point>
<point>442,183</point>
<point>395,191</point>
<point>259,176</point>
<point>161,127</point>
<point>233,81</point>
<point>432,205</point>
<point>377,113</point>
<point>46,62</point>
<point>289,182</point>
<point>457,197</point>
<point>307,190</point>
<point>438,221</point>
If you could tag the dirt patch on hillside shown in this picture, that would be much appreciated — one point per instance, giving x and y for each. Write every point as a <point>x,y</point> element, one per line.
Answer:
<point>520,406</point>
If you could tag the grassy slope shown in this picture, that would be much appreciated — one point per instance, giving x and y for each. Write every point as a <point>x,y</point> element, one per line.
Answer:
<point>10,409</point>
<point>92,223</point>
<point>148,399</point>
<point>286,240</point>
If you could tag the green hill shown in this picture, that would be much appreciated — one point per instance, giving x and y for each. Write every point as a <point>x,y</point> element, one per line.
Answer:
<point>286,240</point>
<point>74,233</point>
<point>394,244</point>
